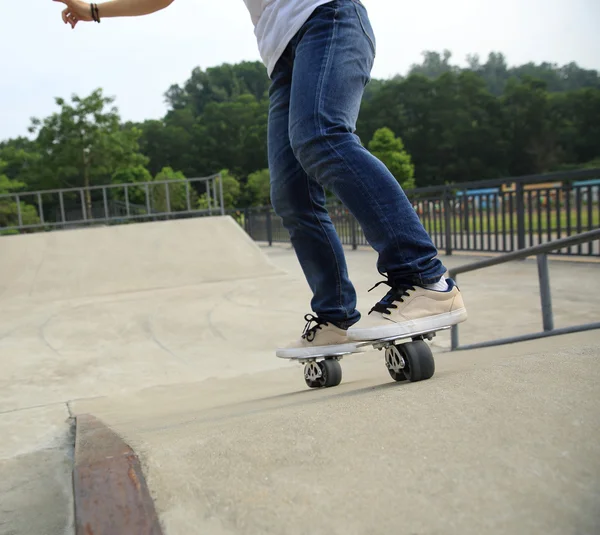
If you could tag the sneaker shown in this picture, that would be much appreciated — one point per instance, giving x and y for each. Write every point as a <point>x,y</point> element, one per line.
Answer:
<point>410,309</point>
<point>322,337</point>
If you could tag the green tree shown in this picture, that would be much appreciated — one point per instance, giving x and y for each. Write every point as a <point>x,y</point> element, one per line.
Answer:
<point>390,150</point>
<point>495,72</point>
<point>485,120</point>
<point>577,114</point>
<point>169,143</point>
<point>258,187</point>
<point>83,144</point>
<point>532,128</point>
<point>21,159</point>
<point>9,209</point>
<point>232,135</point>
<point>131,175</point>
<point>224,83</point>
<point>171,197</point>
<point>452,127</point>
<point>231,192</point>
<point>468,129</point>
<point>6,184</point>
<point>434,64</point>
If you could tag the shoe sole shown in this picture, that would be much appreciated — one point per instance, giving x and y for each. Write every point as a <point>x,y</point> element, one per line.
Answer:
<point>428,324</point>
<point>329,350</point>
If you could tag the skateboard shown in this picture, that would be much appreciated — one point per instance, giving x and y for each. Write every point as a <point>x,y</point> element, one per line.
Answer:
<point>407,358</point>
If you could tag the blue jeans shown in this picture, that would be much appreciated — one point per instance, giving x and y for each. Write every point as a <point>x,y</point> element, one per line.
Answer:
<point>315,96</point>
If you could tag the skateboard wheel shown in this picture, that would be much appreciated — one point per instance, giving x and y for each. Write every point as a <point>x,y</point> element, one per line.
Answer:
<point>323,374</point>
<point>395,363</point>
<point>418,359</point>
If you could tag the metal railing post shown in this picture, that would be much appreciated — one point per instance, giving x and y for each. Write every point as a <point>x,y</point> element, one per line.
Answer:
<point>19,214</point>
<point>520,199</point>
<point>545,293</point>
<point>215,194</point>
<point>40,207</point>
<point>454,337</point>
<point>208,197</point>
<point>83,210</point>
<point>447,223</point>
<point>247,221</point>
<point>465,218</point>
<point>62,207</point>
<point>269,228</point>
<point>454,342</point>
<point>353,223</point>
<point>147,199</point>
<point>221,194</point>
<point>127,201</point>
<point>168,198</point>
<point>105,200</point>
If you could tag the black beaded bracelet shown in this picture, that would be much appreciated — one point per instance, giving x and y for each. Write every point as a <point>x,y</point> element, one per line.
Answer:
<point>95,13</point>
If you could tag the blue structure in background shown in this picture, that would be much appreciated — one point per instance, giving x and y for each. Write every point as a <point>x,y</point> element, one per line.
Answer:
<point>481,196</point>
<point>588,184</point>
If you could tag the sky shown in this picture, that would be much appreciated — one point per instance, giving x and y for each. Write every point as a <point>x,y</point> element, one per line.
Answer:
<point>137,59</point>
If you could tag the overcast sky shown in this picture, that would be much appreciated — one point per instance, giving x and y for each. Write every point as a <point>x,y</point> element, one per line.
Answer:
<point>137,59</point>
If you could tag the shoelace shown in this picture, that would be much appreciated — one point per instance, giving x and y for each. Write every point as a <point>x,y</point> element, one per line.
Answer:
<point>310,332</point>
<point>397,293</point>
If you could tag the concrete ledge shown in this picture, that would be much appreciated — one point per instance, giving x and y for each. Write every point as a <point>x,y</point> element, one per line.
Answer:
<point>111,495</point>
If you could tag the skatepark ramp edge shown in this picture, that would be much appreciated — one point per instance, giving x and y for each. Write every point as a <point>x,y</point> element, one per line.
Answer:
<point>128,258</point>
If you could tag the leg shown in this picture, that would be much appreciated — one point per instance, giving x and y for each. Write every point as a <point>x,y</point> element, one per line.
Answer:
<point>300,201</point>
<point>333,57</point>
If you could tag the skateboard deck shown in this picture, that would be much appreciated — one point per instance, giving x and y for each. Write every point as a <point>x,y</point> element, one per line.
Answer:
<point>407,358</point>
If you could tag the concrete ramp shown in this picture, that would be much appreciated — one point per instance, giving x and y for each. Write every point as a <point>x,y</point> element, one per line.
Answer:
<point>104,311</point>
<point>128,258</point>
<point>98,311</point>
<point>166,333</point>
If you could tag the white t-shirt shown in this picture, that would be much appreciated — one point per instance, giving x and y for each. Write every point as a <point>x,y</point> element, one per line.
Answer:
<point>276,22</point>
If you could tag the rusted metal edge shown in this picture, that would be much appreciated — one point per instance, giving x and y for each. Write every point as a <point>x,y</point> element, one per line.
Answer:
<point>110,491</point>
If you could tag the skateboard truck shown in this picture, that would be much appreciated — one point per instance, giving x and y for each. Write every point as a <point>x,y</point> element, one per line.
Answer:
<point>407,358</point>
<point>384,342</point>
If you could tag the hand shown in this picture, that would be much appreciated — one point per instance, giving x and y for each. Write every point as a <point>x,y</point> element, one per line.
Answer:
<point>75,12</point>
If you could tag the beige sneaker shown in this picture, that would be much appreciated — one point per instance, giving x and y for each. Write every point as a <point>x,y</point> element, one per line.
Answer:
<point>411,310</point>
<point>322,337</point>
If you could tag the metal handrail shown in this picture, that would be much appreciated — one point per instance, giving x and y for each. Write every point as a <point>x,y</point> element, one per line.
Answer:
<point>112,186</point>
<point>541,253</point>
<point>215,203</point>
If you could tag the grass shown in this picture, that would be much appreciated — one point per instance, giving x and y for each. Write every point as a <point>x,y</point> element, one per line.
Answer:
<point>505,222</point>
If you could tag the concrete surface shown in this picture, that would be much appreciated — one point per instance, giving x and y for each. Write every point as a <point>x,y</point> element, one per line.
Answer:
<point>181,363</point>
<point>127,258</point>
<point>36,453</point>
<point>493,445</point>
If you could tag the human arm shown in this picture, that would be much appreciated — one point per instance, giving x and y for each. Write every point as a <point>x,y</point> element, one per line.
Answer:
<point>77,10</point>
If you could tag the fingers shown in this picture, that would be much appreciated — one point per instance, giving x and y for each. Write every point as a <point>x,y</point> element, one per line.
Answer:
<point>69,17</point>
<point>74,13</point>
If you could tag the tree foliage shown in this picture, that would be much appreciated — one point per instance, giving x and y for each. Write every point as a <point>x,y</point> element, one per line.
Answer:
<point>9,208</point>
<point>259,188</point>
<point>83,143</point>
<point>496,73</point>
<point>231,192</point>
<point>167,197</point>
<point>390,150</point>
<point>439,123</point>
<point>131,175</point>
